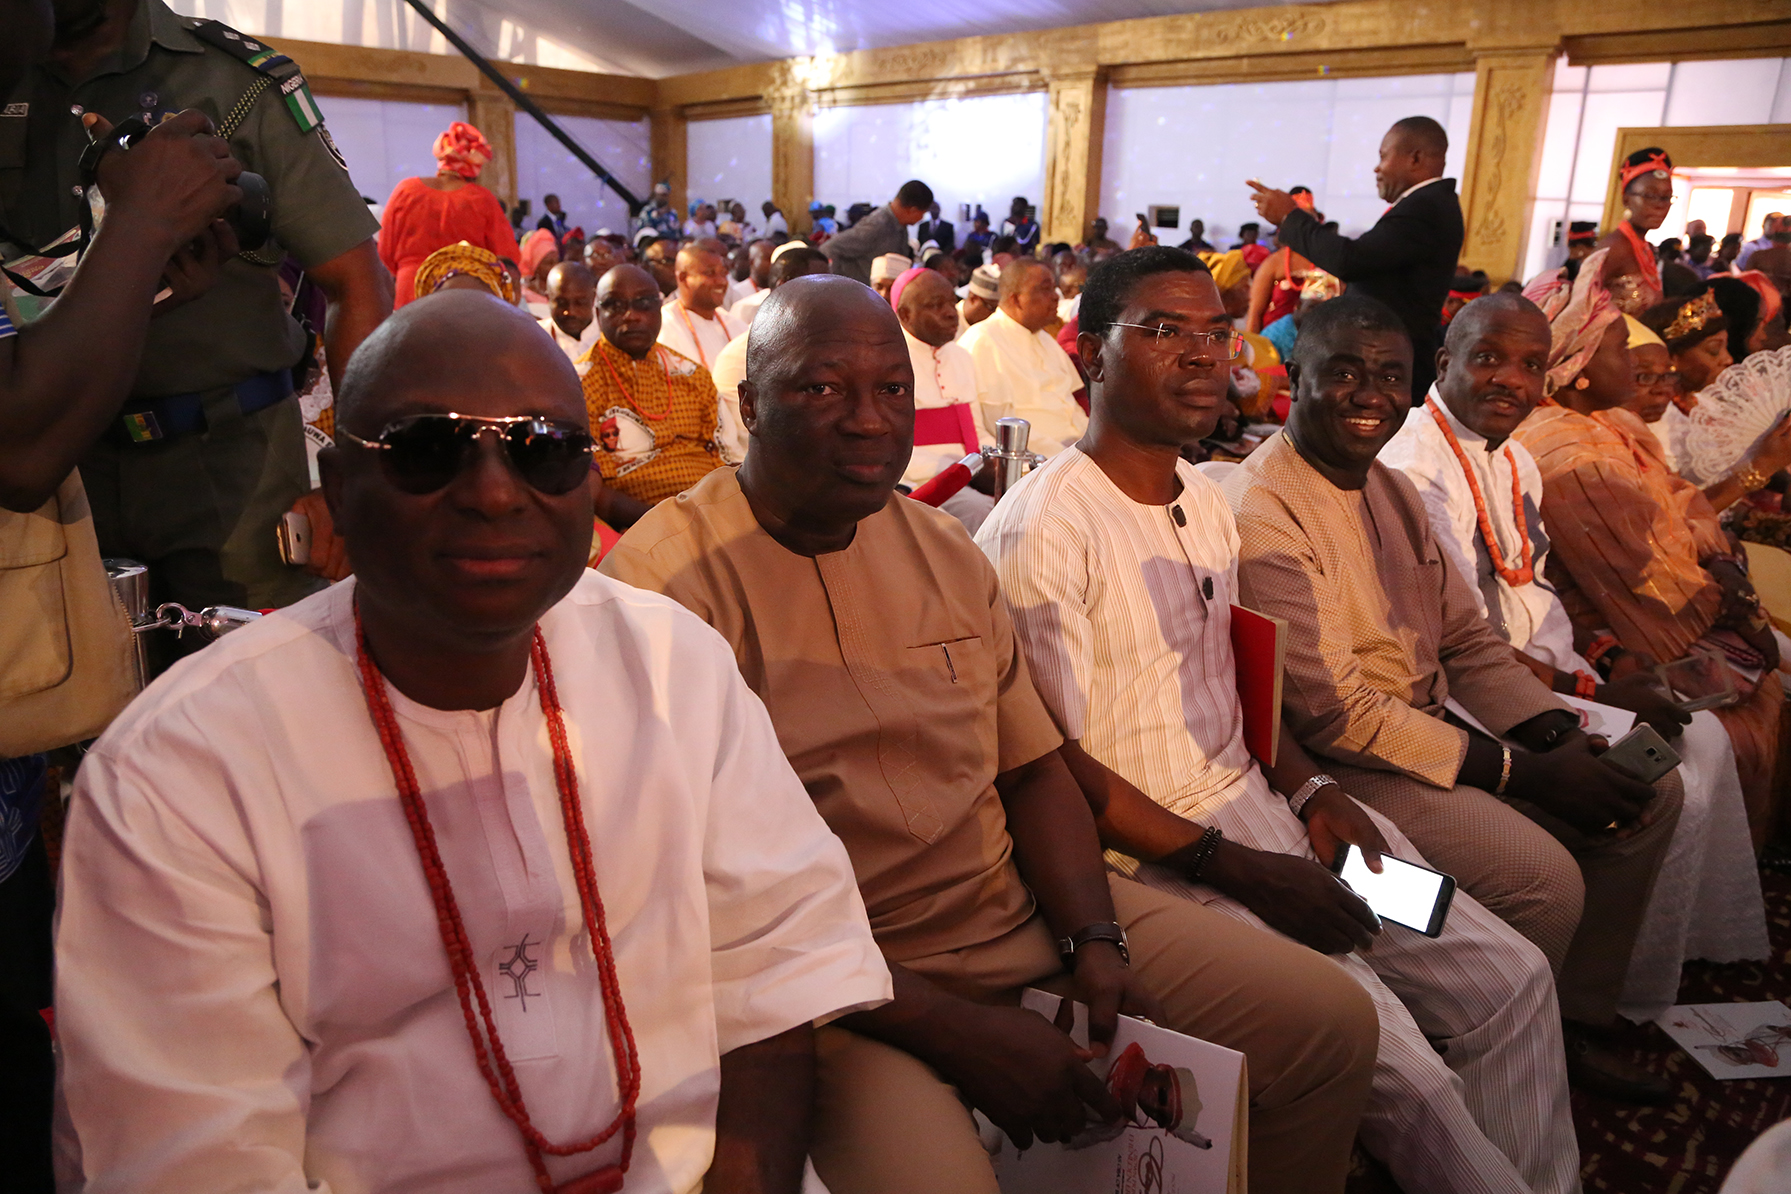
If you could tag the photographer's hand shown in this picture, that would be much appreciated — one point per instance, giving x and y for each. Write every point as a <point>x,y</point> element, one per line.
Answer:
<point>63,378</point>
<point>171,185</point>
<point>197,265</point>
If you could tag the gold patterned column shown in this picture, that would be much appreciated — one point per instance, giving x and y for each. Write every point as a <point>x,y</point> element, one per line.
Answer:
<point>1511,94</point>
<point>492,113</point>
<point>792,149</point>
<point>1076,128</point>
<point>671,154</point>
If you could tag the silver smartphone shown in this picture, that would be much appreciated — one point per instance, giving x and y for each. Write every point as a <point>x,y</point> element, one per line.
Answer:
<point>294,533</point>
<point>1641,754</point>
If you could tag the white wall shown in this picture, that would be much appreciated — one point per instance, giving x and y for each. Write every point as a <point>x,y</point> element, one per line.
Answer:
<point>543,165</point>
<point>982,150</point>
<point>1589,104</point>
<point>731,159</point>
<point>1195,146</point>
<point>385,141</point>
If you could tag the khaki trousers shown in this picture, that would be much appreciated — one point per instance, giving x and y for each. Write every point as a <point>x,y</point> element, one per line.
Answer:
<point>1579,898</point>
<point>886,1123</point>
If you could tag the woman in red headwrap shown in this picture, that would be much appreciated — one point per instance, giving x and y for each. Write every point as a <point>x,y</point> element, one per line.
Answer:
<point>426,214</point>
<point>1631,272</point>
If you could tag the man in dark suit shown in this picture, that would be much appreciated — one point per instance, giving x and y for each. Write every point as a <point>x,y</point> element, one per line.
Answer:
<point>941,232</point>
<point>1407,259</point>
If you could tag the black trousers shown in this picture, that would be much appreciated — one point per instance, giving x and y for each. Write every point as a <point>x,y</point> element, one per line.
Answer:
<point>27,1066</point>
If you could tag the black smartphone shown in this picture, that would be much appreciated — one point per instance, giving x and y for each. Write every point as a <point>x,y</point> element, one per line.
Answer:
<point>1404,893</point>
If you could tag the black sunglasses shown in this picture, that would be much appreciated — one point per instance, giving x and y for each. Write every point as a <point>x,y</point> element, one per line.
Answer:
<point>423,453</point>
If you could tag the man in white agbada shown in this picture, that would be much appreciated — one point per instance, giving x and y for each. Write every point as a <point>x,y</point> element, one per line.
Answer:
<point>1119,563</point>
<point>1020,370</point>
<point>253,991</point>
<point>945,384</point>
<point>571,317</point>
<point>693,321</point>
<point>1459,453</point>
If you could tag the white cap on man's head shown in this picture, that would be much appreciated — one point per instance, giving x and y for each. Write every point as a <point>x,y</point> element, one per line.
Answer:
<point>789,246</point>
<point>889,267</point>
<point>985,282</point>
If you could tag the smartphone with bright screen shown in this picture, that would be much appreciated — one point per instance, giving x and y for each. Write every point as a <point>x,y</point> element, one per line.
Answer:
<point>1414,896</point>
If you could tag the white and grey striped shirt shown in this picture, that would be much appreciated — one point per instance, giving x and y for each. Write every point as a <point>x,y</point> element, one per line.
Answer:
<point>1124,612</point>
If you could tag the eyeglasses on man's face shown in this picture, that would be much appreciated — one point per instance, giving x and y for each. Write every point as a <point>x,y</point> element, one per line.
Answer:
<point>1647,380</point>
<point>1222,343</point>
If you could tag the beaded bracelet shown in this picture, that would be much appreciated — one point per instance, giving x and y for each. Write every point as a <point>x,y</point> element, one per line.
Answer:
<point>1584,686</point>
<point>1191,860</point>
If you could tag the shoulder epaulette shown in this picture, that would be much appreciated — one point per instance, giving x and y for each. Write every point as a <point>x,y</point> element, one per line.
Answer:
<point>261,57</point>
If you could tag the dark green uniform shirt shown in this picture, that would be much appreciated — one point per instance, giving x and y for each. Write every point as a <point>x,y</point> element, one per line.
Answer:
<point>240,327</point>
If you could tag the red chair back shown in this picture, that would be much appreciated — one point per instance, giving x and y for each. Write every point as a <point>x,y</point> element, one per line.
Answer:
<point>952,424</point>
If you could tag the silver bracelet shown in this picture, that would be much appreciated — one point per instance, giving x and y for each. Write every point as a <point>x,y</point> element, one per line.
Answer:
<point>1307,791</point>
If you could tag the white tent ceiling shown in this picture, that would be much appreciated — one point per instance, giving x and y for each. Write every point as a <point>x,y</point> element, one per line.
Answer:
<point>666,37</point>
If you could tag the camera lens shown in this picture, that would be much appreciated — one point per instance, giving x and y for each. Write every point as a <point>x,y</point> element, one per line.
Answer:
<point>252,218</point>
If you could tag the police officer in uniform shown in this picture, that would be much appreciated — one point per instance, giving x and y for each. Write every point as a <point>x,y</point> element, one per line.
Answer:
<point>207,454</point>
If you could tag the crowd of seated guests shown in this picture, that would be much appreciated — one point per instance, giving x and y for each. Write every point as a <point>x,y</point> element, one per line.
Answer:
<point>747,794</point>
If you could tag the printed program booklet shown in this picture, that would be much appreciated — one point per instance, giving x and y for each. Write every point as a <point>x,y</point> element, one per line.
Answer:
<point>1184,1128</point>
<point>1733,1040</point>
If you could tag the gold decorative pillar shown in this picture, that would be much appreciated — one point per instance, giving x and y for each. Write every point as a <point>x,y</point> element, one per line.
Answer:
<point>792,151</point>
<point>671,155</point>
<point>1076,129</point>
<point>492,113</point>
<point>1511,95</point>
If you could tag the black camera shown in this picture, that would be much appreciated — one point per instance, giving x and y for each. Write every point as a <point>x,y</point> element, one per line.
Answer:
<point>251,219</point>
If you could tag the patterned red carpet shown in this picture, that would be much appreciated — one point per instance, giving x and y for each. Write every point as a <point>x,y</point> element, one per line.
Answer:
<point>1685,1148</point>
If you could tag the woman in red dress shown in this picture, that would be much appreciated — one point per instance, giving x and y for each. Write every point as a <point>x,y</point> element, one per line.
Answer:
<point>426,214</point>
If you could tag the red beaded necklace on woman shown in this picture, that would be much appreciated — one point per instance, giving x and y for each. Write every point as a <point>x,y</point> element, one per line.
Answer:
<point>487,1048</point>
<point>1512,576</point>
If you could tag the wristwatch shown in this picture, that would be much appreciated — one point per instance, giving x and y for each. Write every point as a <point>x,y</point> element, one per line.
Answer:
<point>1307,791</point>
<point>1110,931</point>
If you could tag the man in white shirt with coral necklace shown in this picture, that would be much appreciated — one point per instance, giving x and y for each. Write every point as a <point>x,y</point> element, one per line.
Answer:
<point>445,800</point>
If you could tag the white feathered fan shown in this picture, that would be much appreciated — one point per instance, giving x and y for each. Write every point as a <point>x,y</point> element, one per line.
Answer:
<point>1734,413</point>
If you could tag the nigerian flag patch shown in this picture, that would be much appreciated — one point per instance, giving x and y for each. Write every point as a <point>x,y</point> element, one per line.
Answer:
<point>299,102</point>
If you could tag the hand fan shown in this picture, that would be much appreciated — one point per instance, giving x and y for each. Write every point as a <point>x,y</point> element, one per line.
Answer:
<point>1734,413</point>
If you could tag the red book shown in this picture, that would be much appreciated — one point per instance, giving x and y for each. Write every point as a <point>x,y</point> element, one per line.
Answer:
<point>1259,644</point>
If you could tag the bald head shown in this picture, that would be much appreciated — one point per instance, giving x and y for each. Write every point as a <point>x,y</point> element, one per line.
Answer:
<point>570,273</point>
<point>571,292</point>
<point>628,310</point>
<point>702,275</point>
<point>805,307</point>
<point>445,343</point>
<point>829,401</point>
<point>928,309</point>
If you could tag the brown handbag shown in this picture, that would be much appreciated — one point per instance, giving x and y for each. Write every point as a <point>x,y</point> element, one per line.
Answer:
<point>67,662</point>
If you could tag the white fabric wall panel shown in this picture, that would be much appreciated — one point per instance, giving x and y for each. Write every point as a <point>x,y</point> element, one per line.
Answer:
<point>982,150</point>
<point>385,141</point>
<point>1735,91</point>
<point>544,166</point>
<point>1588,106</point>
<point>1196,146</point>
<point>731,159</point>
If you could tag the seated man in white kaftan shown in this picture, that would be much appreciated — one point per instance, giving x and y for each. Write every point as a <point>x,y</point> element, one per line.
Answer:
<point>476,790</point>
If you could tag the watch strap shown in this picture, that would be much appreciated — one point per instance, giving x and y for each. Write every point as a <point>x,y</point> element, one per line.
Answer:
<point>1306,791</point>
<point>1106,931</point>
